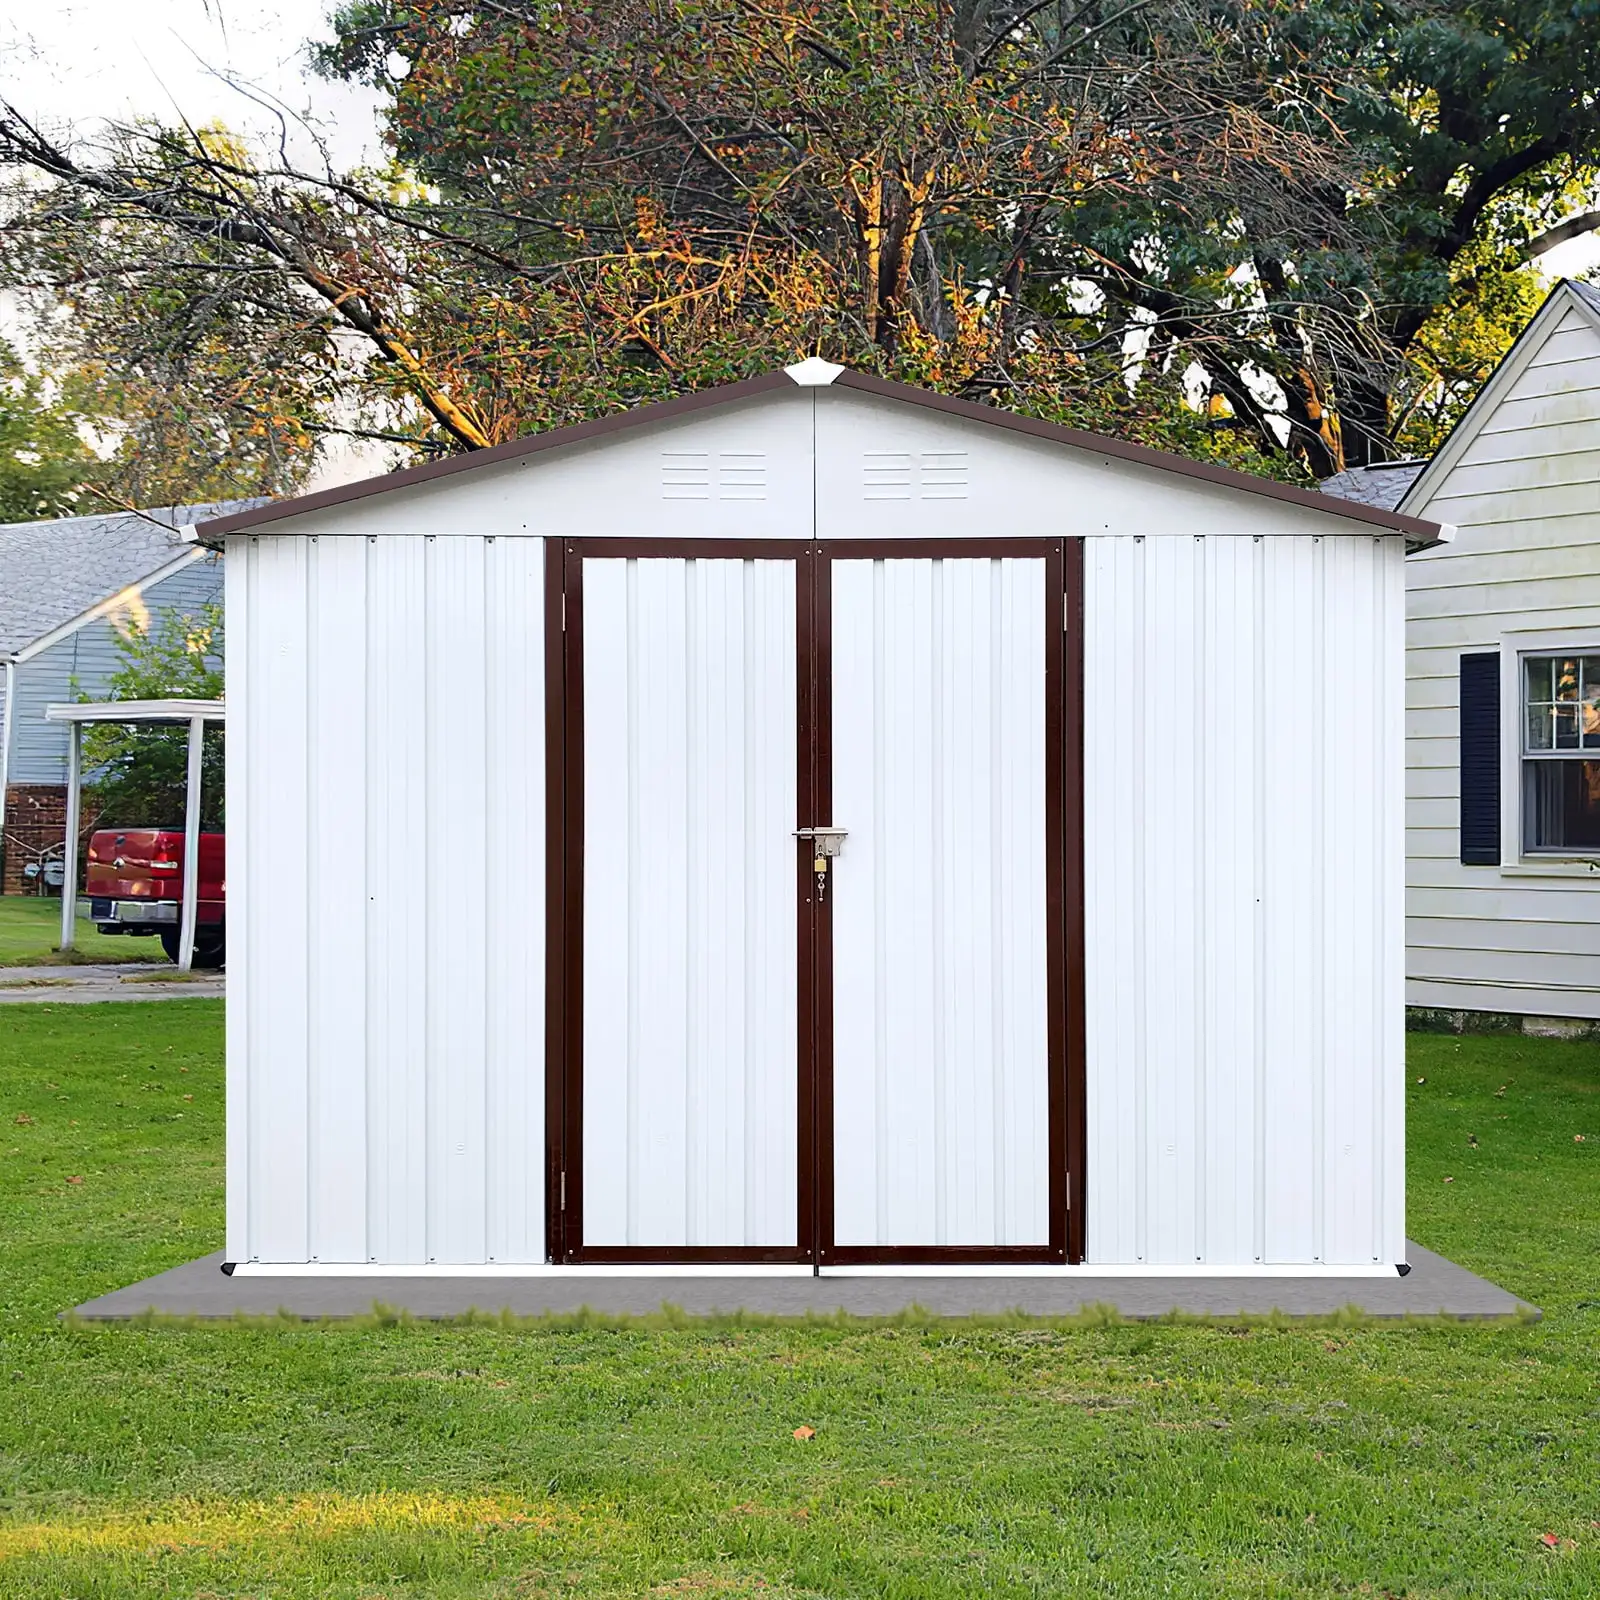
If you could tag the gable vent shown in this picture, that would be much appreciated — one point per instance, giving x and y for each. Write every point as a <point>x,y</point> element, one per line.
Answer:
<point>685,475</point>
<point>901,475</point>
<point>885,475</point>
<point>741,475</point>
<point>944,475</point>
<point>738,475</point>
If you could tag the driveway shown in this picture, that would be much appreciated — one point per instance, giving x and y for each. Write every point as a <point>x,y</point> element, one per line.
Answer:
<point>132,980</point>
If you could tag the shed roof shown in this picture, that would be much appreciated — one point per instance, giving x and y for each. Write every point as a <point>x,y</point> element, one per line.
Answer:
<point>808,374</point>
<point>52,572</point>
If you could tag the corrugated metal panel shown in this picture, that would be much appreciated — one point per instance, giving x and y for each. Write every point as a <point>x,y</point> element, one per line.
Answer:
<point>398,837</point>
<point>241,1135</point>
<point>940,1070</point>
<point>275,895</point>
<point>335,863</point>
<point>690,1076</point>
<point>455,764</point>
<point>514,843</point>
<point>1243,804</point>
<point>386,863</point>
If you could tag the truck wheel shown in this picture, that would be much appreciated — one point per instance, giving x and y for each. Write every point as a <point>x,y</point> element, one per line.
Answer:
<point>210,947</point>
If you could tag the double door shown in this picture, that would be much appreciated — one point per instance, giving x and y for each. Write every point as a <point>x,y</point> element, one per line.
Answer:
<point>811,939</point>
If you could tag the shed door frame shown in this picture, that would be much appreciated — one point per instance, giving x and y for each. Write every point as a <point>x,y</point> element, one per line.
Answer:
<point>1064,898</point>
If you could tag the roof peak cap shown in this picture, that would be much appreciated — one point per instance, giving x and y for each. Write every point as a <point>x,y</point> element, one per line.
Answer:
<point>813,372</point>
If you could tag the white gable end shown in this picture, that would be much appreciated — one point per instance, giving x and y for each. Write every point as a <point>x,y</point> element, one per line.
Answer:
<point>894,470</point>
<point>810,463</point>
<point>736,471</point>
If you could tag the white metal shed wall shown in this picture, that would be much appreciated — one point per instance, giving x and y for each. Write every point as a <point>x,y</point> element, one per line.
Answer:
<point>1525,496</point>
<point>1242,758</point>
<point>389,991</point>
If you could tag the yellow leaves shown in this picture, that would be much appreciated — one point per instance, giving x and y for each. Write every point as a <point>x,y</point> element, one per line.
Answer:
<point>648,221</point>
<point>222,145</point>
<point>803,1433</point>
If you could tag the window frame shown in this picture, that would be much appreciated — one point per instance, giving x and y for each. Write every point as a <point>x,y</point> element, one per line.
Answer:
<point>1516,860</point>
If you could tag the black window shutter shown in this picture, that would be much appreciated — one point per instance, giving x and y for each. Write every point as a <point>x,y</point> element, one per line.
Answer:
<point>1480,759</point>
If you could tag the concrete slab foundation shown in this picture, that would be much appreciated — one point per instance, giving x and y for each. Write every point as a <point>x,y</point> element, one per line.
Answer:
<point>1433,1287</point>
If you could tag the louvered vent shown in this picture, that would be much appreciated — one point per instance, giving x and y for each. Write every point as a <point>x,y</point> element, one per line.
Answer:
<point>741,475</point>
<point>902,475</point>
<point>685,475</point>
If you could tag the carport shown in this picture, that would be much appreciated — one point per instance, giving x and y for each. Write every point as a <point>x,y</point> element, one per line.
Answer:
<point>196,714</point>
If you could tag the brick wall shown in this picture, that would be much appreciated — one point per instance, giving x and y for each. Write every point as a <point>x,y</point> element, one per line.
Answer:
<point>36,823</point>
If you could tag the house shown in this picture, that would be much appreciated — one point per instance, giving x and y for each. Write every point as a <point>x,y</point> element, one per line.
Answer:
<point>815,822</point>
<point>68,588</point>
<point>1503,684</point>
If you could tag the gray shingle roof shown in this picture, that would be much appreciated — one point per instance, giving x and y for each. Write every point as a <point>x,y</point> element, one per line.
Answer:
<point>51,572</point>
<point>1383,484</point>
<point>1586,292</point>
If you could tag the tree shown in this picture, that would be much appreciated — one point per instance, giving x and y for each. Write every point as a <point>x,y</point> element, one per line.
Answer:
<point>1479,137</point>
<point>593,205</point>
<point>1076,209</point>
<point>212,384</point>
<point>140,772</point>
<point>45,463</point>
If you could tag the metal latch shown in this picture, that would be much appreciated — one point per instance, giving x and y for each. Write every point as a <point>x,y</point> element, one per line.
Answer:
<point>826,843</point>
<point>829,841</point>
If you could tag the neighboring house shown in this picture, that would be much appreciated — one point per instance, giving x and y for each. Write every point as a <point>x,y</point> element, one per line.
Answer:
<point>68,588</point>
<point>1503,683</point>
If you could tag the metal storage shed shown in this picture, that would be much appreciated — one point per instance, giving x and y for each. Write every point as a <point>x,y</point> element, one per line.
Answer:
<point>816,823</point>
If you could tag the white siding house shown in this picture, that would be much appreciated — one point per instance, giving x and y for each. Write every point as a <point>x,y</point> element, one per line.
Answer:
<point>1089,948</point>
<point>1504,914</point>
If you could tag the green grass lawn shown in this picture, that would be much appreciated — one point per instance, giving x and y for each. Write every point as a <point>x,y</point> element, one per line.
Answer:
<point>948,1459</point>
<point>30,932</point>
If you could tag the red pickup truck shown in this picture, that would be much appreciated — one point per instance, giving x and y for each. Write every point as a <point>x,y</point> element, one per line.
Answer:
<point>134,884</point>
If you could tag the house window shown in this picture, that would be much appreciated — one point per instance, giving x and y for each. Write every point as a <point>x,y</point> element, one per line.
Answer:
<point>1561,754</point>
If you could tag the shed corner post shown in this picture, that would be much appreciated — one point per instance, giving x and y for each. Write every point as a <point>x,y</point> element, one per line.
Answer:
<point>191,845</point>
<point>69,864</point>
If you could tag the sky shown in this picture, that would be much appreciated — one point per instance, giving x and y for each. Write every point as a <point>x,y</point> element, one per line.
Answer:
<point>72,63</point>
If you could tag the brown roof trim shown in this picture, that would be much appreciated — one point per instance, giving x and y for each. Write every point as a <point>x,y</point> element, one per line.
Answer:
<point>1139,454</point>
<point>864,382</point>
<point>513,450</point>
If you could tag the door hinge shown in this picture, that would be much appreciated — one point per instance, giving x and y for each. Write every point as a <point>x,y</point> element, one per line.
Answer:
<point>563,1191</point>
<point>563,613</point>
<point>1069,1191</point>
